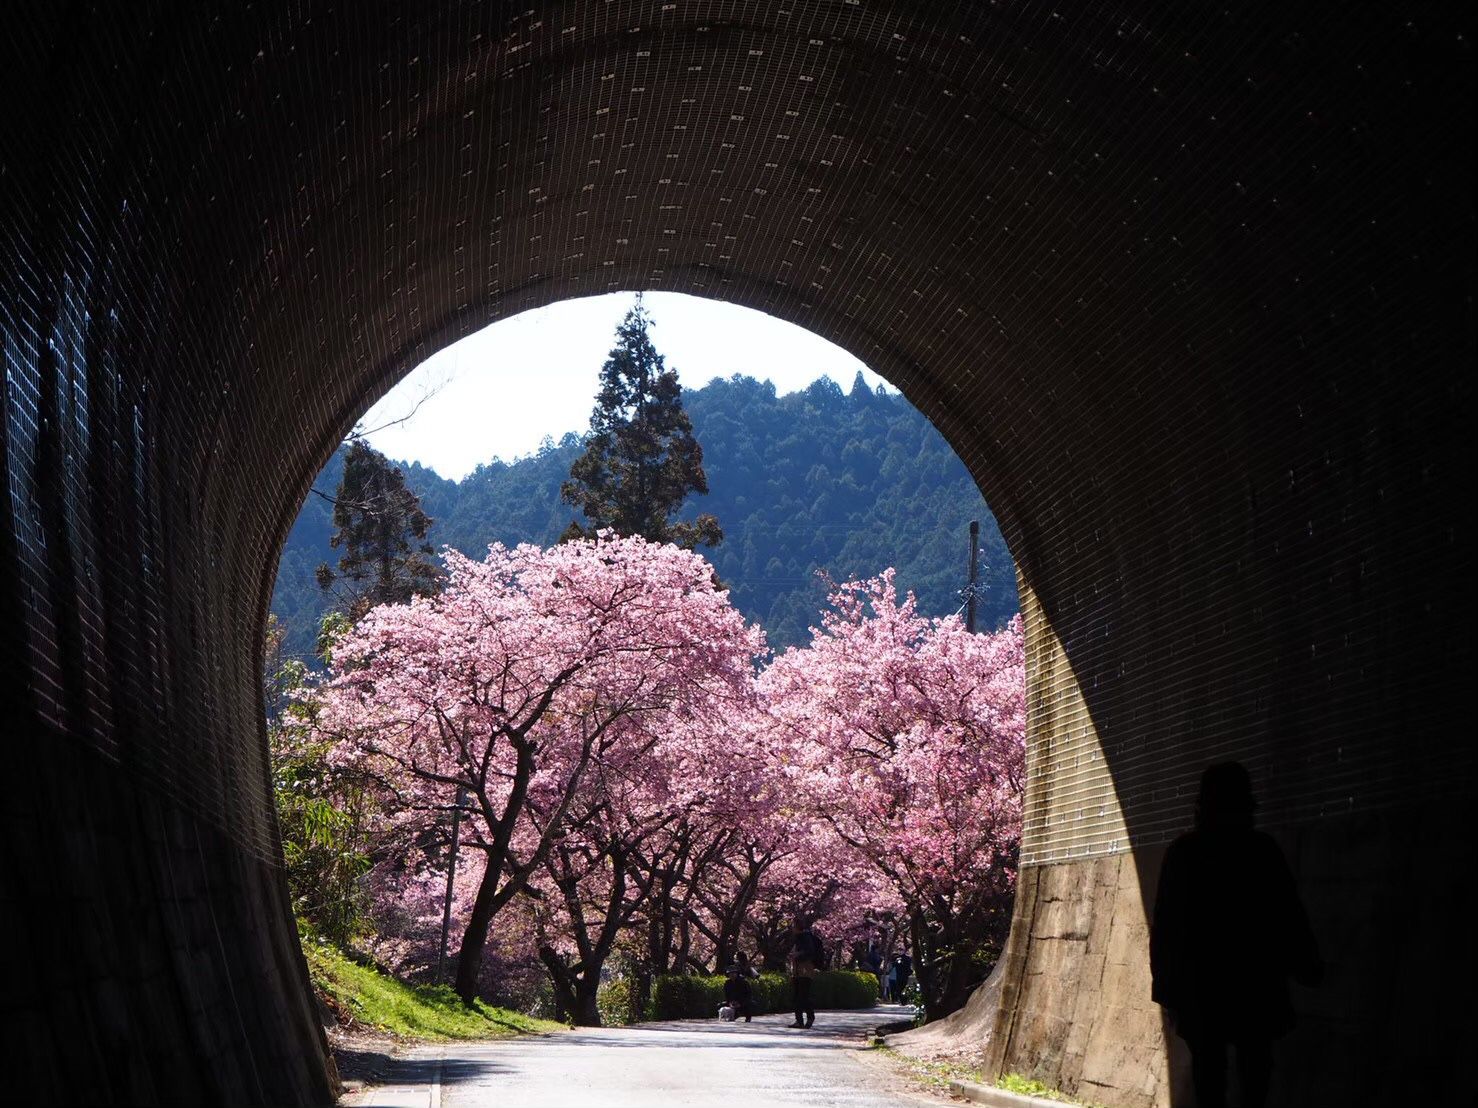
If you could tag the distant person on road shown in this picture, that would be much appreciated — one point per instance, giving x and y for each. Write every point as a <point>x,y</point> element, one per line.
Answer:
<point>737,991</point>
<point>872,962</point>
<point>1228,932</point>
<point>898,977</point>
<point>806,954</point>
<point>743,967</point>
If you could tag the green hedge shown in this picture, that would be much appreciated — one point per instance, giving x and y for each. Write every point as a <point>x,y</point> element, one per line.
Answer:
<point>681,996</point>
<point>613,1000</point>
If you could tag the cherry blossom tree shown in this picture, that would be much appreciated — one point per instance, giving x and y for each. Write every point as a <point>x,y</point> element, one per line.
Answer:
<point>705,869</point>
<point>589,887</point>
<point>814,878</point>
<point>531,667</point>
<point>407,890</point>
<point>905,737</point>
<point>640,836</point>
<point>636,785</point>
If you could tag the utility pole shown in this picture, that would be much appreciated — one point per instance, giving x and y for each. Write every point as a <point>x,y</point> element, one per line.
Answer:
<point>451,877</point>
<point>974,567</point>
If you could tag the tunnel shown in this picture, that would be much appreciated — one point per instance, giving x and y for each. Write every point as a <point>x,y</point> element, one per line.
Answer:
<point>1188,288</point>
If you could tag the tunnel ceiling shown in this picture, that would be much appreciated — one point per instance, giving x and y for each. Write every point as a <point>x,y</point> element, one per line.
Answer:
<point>1153,275</point>
<point>1141,268</point>
<point>1189,290</point>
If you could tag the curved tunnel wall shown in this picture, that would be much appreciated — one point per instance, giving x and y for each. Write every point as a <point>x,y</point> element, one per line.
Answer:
<point>1189,292</point>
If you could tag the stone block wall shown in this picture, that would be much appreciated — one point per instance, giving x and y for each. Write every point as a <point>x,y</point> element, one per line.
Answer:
<point>1075,1003</point>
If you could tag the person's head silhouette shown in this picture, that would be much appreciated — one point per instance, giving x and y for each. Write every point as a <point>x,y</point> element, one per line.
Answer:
<point>1225,802</point>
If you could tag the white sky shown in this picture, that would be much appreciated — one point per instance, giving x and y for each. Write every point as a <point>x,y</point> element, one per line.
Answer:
<point>498,392</point>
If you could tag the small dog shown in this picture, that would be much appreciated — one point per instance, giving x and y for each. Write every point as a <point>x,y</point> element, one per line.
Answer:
<point>727,1013</point>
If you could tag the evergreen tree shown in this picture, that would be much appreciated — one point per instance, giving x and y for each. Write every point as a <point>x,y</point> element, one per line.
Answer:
<point>641,460</point>
<point>803,482</point>
<point>381,529</point>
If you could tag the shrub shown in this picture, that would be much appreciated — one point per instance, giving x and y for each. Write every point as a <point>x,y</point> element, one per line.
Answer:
<point>771,993</point>
<point>683,996</point>
<point>845,989</point>
<point>614,1001</point>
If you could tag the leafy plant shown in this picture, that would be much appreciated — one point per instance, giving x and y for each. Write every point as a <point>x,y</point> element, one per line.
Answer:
<point>321,812</point>
<point>614,1000</point>
<point>1026,1086</point>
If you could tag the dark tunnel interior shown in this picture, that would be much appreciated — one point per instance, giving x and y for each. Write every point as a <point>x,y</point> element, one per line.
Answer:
<point>1189,291</point>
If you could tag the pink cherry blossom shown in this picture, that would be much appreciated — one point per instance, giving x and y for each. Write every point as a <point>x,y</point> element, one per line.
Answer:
<point>905,736</point>
<point>532,666</point>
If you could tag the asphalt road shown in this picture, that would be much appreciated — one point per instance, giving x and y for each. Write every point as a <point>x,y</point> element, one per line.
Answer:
<point>658,1065</point>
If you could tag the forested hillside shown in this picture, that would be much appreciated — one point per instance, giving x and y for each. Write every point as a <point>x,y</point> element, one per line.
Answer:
<point>845,482</point>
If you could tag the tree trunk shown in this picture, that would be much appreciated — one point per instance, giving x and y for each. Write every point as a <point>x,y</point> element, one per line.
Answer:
<point>954,990</point>
<point>489,896</point>
<point>576,995</point>
<point>942,962</point>
<point>474,941</point>
<point>641,986</point>
<point>587,1011</point>
<point>562,984</point>
<point>924,966</point>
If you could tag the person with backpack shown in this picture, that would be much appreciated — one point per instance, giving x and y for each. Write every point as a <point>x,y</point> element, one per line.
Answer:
<point>807,959</point>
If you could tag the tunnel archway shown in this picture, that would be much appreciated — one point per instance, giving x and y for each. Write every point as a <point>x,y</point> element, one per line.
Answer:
<point>1189,293</point>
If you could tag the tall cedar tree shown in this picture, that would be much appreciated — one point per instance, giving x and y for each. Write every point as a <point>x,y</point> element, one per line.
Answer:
<point>641,460</point>
<point>379,525</point>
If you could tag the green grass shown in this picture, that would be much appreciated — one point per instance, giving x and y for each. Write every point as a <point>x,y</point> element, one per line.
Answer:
<point>373,1000</point>
<point>935,1076</point>
<point>1015,1083</point>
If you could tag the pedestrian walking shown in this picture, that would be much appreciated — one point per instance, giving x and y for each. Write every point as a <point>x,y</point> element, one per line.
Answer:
<point>899,973</point>
<point>806,958</point>
<point>872,962</point>
<point>1228,932</point>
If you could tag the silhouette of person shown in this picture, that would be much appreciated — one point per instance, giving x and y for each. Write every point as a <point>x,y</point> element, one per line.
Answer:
<point>1228,932</point>
<point>806,956</point>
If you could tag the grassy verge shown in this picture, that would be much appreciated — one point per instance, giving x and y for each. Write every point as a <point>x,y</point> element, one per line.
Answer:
<point>936,1076</point>
<point>1015,1083</point>
<point>366,999</point>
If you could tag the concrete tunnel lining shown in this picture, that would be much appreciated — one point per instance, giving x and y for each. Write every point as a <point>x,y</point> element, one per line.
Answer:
<point>1190,295</point>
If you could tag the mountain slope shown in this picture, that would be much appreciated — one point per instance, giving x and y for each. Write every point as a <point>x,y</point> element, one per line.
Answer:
<point>848,483</point>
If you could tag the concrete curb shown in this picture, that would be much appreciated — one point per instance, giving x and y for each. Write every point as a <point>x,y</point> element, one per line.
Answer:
<point>1000,1098</point>
<point>390,1094</point>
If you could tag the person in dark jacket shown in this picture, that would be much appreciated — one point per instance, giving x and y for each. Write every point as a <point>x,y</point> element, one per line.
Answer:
<point>872,962</point>
<point>805,964</point>
<point>898,979</point>
<point>738,993</point>
<point>1228,932</point>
